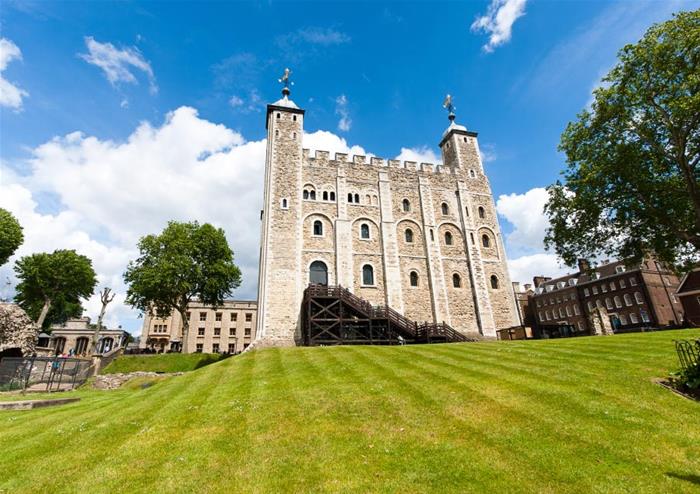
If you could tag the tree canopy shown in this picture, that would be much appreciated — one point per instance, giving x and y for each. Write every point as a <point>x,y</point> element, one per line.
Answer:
<point>57,281</point>
<point>631,183</point>
<point>186,261</point>
<point>11,236</point>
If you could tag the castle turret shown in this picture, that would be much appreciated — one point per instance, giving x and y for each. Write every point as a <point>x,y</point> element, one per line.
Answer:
<point>280,276</point>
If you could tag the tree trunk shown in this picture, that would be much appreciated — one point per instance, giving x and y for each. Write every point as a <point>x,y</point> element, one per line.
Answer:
<point>44,311</point>
<point>105,298</point>
<point>185,329</point>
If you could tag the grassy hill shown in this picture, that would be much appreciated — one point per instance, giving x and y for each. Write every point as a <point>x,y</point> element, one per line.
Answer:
<point>166,362</point>
<point>577,415</point>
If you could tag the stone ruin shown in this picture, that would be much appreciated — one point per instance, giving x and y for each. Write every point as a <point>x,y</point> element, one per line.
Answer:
<point>600,322</point>
<point>17,330</point>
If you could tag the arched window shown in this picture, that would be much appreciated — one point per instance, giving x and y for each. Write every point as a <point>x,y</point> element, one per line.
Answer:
<point>414,278</point>
<point>349,197</point>
<point>494,281</point>
<point>618,302</point>
<point>638,297</point>
<point>448,238</point>
<point>485,240</point>
<point>482,212</point>
<point>445,209</point>
<point>466,211</point>
<point>608,303</point>
<point>367,275</point>
<point>456,280</point>
<point>332,196</point>
<point>318,273</point>
<point>284,204</point>
<point>312,195</point>
<point>325,195</point>
<point>318,228</point>
<point>364,231</point>
<point>409,236</point>
<point>406,205</point>
<point>628,299</point>
<point>472,174</point>
<point>368,199</point>
<point>357,198</point>
<point>306,194</point>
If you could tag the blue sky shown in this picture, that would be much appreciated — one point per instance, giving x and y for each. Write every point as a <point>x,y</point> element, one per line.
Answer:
<point>109,111</point>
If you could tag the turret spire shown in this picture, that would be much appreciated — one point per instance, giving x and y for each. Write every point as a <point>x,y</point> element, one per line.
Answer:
<point>447,104</point>
<point>287,82</point>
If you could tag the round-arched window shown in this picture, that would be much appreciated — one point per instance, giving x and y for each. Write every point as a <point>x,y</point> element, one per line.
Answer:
<point>409,236</point>
<point>456,280</point>
<point>485,240</point>
<point>482,212</point>
<point>448,238</point>
<point>364,231</point>
<point>406,205</point>
<point>494,281</point>
<point>413,278</point>
<point>318,228</point>
<point>445,209</point>
<point>367,275</point>
<point>318,273</point>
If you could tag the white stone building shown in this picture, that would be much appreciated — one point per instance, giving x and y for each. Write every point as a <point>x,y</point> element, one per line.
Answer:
<point>420,238</point>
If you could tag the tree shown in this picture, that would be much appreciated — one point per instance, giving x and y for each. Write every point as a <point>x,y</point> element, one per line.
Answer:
<point>60,279</point>
<point>186,261</point>
<point>11,236</point>
<point>106,296</point>
<point>631,183</point>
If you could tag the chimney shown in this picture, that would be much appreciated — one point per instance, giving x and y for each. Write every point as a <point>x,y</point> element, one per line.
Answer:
<point>528,287</point>
<point>516,286</point>
<point>584,266</point>
<point>540,280</point>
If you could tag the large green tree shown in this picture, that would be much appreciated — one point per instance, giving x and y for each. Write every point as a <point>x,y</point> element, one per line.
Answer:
<point>57,281</point>
<point>186,261</point>
<point>631,183</point>
<point>11,236</point>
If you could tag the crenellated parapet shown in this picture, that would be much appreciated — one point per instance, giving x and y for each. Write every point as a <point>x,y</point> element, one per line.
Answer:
<point>322,158</point>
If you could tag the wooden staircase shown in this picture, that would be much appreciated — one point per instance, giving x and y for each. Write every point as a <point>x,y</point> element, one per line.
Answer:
<point>333,315</point>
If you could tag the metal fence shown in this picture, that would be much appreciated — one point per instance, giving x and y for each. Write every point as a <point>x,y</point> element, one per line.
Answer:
<point>43,373</point>
<point>688,353</point>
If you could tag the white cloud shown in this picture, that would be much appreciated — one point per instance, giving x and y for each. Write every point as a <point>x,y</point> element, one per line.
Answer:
<point>10,95</point>
<point>523,268</point>
<point>117,64</point>
<point>498,21</point>
<point>526,213</point>
<point>235,101</point>
<point>487,152</point>
<point>250,103</point>
<point>110,193</point>
<point>322,36</point>
<point>421,154</point>
<point>341,109</point>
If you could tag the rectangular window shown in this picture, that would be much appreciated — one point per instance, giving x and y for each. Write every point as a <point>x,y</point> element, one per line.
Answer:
<point>638,297</point>
<point>200,347</point>
<point>608,303</point>
<point>612,286</point>
<point>580,325</point>
<point>232,332</point>
<point>231,348</point>
<point>633,281</point>
<point>595,290</point>
<point>245,345</point>
<point>604,288</point>
<point>215,348</point>
<point>633,318</point>
<point>645,316</point>
<point>202,316</point>
<point>247,331</point>
<point>234,316</point>
<point>586,292</point>
<point>218,316</point>
<point>217,331</point>
<point>200,332</point>
<point>542,315</point>
<point>568,311</point>
<point>622,283</point>
<point>248,317</point>
<point>623,319</point>
<point>577,311</point>
<point>188,315</point>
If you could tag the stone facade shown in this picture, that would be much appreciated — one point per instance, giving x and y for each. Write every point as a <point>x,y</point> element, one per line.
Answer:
<point>420,238</point>
<point>17,331</point>
<point>229,328</point>
<point>74,337</point>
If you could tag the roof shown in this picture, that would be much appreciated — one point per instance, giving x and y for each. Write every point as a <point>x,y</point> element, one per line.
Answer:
<point>690,283</point>
<point>605,270</point>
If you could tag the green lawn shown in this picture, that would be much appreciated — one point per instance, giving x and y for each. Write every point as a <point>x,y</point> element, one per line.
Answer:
<point>165,362</point>
<point>575,415</point>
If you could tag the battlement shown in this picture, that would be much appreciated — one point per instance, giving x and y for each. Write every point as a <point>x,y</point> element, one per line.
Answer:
<point>343,159</point>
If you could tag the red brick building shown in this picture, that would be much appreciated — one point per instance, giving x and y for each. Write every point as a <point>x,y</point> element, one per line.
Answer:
<point>689,295</point>
<point>636,296</point>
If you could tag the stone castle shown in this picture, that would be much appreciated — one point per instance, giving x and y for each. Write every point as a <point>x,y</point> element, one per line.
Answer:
<point>420,238</point>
